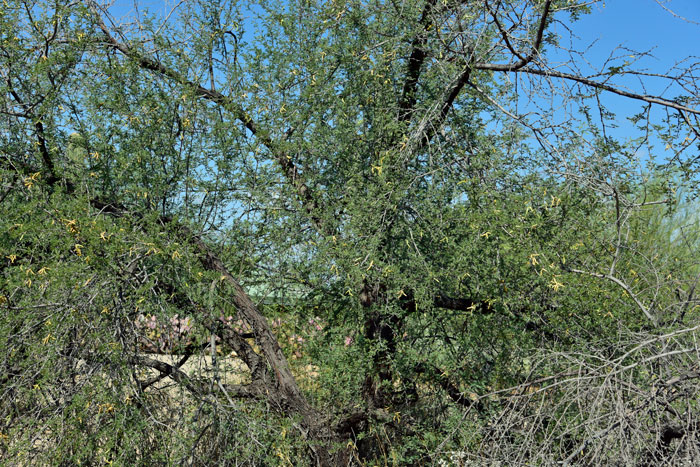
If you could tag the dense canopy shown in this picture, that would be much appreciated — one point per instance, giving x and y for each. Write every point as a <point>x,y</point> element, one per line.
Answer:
<point>343,233</point>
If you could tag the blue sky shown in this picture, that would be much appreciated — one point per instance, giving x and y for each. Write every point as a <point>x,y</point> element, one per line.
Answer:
<point>645,26</point>
<point>639,24</point>
<point>642,25</point>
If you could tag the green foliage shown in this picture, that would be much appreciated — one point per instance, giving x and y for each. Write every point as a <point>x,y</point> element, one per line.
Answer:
<point>424,254</point>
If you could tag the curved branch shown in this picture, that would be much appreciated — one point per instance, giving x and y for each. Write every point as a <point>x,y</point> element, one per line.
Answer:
<point>429,126</point>
<point>39,131</point>
<point>287,392</point>
<point>240,346</point>
<point>292,173</point>
<point>196,387</point>
<point>151,381</point>
<point>624,287</point>
<point>592,83</point>
<point>537,43</point>
<point>166,370</point>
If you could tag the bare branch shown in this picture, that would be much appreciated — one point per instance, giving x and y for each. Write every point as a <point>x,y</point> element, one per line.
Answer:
<point>676,15</point>
<point>624,286</point>
<point>592,83</point>
<point>195,386</point>
<point>536,44</point>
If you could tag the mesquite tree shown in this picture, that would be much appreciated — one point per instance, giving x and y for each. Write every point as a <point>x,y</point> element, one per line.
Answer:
<point>407,221</point>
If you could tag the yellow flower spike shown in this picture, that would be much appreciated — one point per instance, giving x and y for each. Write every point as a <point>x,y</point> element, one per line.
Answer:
<point>78,249</point>
<point>554,284</point>
<point>12,258</point>
<point>176,254</point>
<point>486,234</point>
<point>42,271</point>
<point>71,225</point>
<point>46,339</point>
